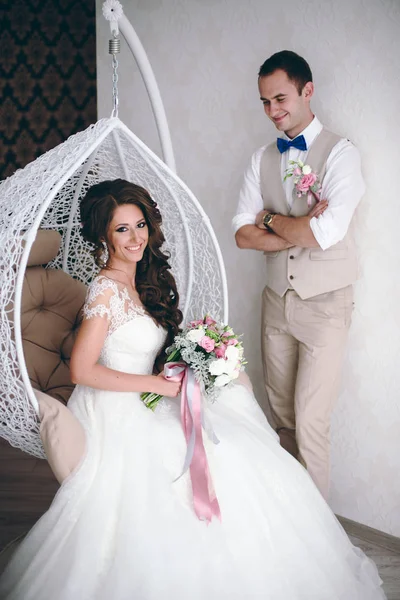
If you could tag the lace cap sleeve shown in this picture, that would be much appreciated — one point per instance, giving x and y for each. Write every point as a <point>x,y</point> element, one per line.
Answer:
<point>98,298</point>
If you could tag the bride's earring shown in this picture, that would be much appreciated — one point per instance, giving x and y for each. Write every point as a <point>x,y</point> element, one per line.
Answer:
<point>105,254</point>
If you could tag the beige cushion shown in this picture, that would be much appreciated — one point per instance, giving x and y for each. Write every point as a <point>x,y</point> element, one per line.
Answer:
<point>63,436</point>
<point>44,248</point>
<point>50,316</point>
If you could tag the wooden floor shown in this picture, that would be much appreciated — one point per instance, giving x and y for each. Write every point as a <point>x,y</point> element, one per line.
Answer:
<point>388,563</point>
<point>27,487</point>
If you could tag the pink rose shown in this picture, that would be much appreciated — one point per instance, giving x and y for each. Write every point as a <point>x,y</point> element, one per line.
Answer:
<point>220,351</point>
<point>306,182</point>
<point>195,323</point>
<point>232,342</point>
<point>209,321</point>
<point>207,343</point>
<point>297,171</point>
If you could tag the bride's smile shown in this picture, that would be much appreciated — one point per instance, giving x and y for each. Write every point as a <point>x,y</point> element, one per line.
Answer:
<point>128,236</point>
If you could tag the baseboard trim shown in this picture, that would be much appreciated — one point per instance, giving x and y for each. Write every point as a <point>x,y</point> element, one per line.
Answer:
<point>369,534</point>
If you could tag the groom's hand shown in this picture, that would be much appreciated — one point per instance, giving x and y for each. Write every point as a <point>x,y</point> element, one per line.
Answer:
<point>318,209</point>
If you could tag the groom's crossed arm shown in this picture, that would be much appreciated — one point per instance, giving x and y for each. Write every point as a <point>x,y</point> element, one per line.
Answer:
<point>247,223</point>
<point>324,226</point>
<point>287,232</point>
<point>252,237</point>
<point>296,231</point>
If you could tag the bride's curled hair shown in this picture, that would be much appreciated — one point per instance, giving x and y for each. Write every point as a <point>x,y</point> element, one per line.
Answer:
<point>154,281</point>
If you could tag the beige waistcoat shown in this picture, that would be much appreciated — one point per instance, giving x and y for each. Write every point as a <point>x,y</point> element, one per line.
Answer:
<point>309,271</point>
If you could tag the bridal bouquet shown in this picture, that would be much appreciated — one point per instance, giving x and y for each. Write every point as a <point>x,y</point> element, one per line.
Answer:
<point>205,356</point>
<point>306,182</point>
<point>212,351</point>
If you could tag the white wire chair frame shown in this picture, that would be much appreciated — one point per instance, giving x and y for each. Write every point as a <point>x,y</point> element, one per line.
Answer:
<point>46,195</point>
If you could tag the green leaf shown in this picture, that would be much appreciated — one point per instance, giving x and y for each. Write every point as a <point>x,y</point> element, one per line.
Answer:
<point>175,355</point>
<point>214,336</point>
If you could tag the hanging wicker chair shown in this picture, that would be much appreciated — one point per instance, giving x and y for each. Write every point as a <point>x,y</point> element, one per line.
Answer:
<point>46,195</point>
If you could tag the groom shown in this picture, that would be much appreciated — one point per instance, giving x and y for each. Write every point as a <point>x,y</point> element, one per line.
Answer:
<point>311,260</point>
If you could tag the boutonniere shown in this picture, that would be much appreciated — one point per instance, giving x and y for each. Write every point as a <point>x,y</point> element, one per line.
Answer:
<point>306,182</point>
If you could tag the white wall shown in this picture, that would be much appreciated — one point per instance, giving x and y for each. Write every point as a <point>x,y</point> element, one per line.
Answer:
<point>206,55</point>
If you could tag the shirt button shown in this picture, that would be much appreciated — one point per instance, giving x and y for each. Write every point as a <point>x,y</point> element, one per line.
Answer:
<point>291,277</point>
<point>291,256</point>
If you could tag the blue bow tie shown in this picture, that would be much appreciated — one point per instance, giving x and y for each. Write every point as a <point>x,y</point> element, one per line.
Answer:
<point>299,142</point>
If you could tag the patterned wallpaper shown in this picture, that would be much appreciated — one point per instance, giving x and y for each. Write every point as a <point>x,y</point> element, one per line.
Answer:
<point>47,76</point>
<point>206,55</point>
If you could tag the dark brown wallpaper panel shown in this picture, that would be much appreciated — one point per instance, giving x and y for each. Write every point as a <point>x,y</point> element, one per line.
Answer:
<point>47,76</point>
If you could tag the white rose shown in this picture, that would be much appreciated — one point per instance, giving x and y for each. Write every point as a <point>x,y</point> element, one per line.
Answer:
<point>306,170</point>
<point>217,367</point>
<point>222,380</point>
<point>232,353</point>
<point>195,335</point>
<point>230,366</point>
<point>235,374</point>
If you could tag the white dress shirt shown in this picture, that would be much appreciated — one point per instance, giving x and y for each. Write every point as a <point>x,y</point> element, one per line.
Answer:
<point>343,186</point>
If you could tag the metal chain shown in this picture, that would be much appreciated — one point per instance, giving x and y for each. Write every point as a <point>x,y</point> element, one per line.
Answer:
<point>115,87</point>
<point>114,49</point>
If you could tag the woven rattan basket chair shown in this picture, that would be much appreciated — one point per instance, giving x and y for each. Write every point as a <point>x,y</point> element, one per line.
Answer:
<point>46,195</point>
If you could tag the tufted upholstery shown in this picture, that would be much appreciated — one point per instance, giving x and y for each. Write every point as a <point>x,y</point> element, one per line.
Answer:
<point>50,315</point>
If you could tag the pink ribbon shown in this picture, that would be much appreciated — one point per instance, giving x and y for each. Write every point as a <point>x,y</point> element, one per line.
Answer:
<point>204,499</point>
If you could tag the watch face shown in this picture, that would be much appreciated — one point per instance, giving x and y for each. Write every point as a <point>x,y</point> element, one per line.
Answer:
<point>267,219</point>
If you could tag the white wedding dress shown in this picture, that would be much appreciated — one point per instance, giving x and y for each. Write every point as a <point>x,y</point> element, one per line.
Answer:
<point>120,529</point>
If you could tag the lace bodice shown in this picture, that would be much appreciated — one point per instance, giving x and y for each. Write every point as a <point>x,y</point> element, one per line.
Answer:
<point>105,298</point>
<point>133,339</point>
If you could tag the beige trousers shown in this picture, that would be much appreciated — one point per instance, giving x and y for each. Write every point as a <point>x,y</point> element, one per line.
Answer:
<point>303,343</point>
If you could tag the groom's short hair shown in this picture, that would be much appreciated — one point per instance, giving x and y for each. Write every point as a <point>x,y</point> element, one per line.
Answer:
<point>296,67</point>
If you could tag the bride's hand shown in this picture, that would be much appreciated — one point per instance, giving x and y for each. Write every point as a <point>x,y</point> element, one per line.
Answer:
<point>167,388</point>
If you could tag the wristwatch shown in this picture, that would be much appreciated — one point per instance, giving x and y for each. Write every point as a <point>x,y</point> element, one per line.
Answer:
<point>267,221</point>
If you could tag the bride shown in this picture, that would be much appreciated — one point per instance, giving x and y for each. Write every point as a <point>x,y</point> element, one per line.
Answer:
<point>119,527</point>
